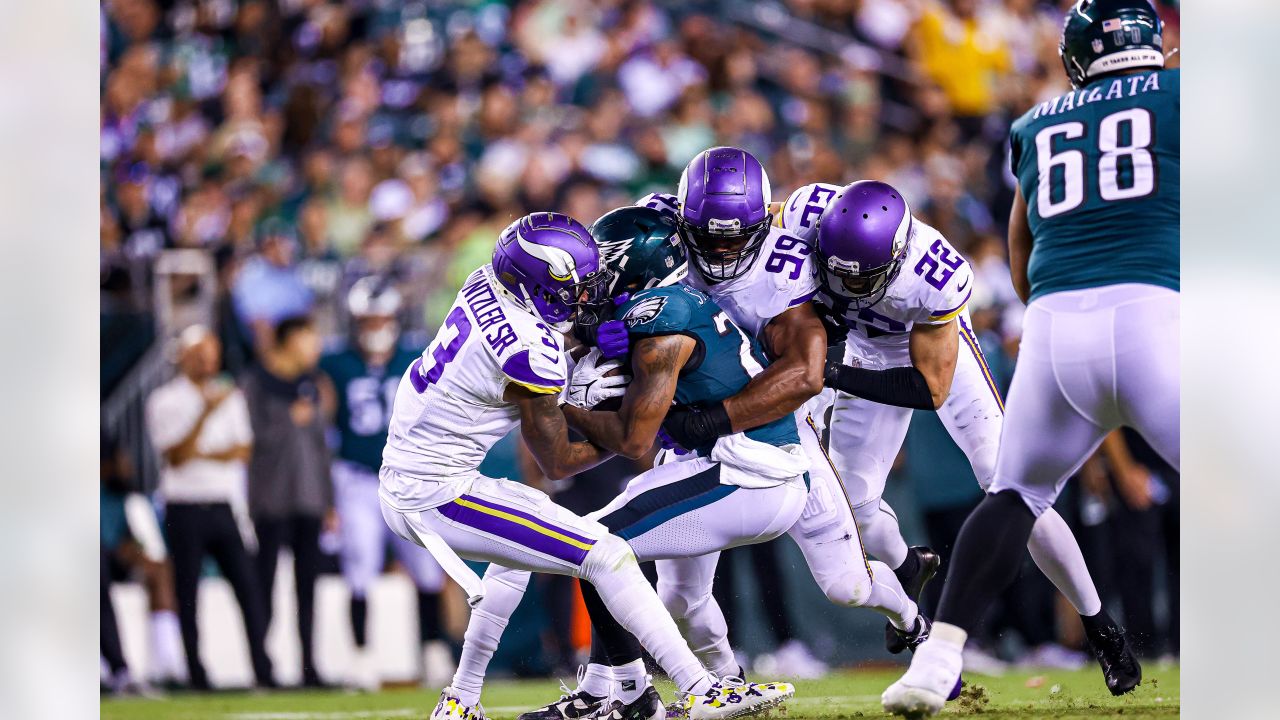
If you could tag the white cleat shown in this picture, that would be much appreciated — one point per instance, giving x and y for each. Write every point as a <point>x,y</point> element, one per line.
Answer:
<point>450,707</point>
<point>733,698</point>
<point>933,678</point>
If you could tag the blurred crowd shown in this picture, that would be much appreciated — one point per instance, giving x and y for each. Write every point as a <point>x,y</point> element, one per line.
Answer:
<point>302,145</point>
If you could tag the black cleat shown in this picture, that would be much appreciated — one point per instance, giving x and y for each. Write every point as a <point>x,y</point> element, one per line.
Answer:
<point>646,707</point>
<point>570,706</point>
<point>895,640</point>
<point>1120,667</point>
<point>929,561</point>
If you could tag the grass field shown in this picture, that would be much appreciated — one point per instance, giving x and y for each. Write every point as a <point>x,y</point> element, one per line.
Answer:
<point>852,694</point>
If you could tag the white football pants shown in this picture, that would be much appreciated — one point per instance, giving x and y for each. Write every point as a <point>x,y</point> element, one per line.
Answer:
<point>504,522</point>
<point>866,438</point>
<point>1091,361</point>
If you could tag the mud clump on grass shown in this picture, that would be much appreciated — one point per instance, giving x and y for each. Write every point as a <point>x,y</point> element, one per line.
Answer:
<point>973,699</point>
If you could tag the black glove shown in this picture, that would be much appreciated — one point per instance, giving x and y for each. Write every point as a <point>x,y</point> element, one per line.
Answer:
<point>697,425</point>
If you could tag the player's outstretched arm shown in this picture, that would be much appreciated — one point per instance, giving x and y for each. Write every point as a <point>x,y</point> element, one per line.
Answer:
<point>546,434</point>
<point>1019,246</point>
<point>798,342</point>
<point>923,385</point>
<point>656,364</point>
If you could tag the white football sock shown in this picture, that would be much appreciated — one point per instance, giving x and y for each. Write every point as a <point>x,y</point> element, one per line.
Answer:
<point>878,526</point>
<point>629,681</point>
<point>889,599</point>
<point>167,655</point>
<point>1054,548</point>
<point>611,567</point>
<point>596,680</point>
<point>503,590</point>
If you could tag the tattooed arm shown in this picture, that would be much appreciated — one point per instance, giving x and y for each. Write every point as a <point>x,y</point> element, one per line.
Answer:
<point>655,365</point>
<point>546,434</point>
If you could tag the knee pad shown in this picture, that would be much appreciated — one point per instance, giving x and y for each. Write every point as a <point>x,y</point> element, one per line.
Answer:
<point>851,589</point>
<point>609,554</point>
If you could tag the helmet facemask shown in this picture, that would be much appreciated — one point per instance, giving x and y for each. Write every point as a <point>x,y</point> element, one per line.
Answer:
<point>724,250</point>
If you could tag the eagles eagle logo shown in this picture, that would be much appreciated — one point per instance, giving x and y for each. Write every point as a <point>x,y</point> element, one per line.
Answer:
<point>645,311</point>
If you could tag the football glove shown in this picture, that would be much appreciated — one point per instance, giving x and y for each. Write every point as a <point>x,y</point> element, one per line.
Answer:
<point>590,384</point>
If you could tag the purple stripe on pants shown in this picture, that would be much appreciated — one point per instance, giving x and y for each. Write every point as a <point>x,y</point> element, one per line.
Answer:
<point>516,532</point>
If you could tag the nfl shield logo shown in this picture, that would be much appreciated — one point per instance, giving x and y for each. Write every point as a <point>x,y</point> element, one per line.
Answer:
<point>1097,46</point>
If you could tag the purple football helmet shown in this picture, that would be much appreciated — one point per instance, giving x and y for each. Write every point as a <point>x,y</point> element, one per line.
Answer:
<point>551,264</point>
<point>724,211</point>
<point>862,241</point>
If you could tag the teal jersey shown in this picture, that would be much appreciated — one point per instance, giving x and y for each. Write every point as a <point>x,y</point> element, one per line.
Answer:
<point>723,361</point>
<point>1099,168</point>
<point>365,396</point>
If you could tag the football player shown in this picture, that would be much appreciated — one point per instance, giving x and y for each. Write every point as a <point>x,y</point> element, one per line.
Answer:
<point>498,361</point>
<point>899,291</point>
<point>1093,246</point>
<point>763,278</point>
<point>365,378</point>
<point>745,488</point>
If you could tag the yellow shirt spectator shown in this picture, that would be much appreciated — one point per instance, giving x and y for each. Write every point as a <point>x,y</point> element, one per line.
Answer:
<point>956,53</point>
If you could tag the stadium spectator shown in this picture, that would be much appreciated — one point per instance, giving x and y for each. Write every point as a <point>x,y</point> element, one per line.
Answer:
<point>290,491</point>
<point>199,423</point>
<point>134,549</point>
<point>270,288</point>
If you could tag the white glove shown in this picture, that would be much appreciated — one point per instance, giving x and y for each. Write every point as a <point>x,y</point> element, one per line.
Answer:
<point>588,385</point>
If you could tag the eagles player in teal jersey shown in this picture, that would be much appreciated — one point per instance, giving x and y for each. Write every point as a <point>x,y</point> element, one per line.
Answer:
<point>365,377</point>
<point>1093,247</point>
<point>745,488</point>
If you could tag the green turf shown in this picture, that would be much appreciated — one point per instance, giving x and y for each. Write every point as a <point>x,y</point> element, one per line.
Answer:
<point>851,694</point>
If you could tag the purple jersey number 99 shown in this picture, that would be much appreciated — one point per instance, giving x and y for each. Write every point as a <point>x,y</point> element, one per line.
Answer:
<point>788,252</point>
<point>442,352</point>
<point>938,270</point>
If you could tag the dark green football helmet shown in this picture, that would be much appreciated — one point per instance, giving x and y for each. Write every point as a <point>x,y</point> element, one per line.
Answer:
<point>641,248</point>
<point>1104,36</point>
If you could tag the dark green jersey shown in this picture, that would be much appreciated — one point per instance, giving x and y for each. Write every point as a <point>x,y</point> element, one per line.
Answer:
<point>724,359</point>
<point>1099,168</point>
<point>365,395</point>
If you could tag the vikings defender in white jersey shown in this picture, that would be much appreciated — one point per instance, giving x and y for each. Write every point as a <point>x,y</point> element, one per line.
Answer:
<point>498,361</point>
<point>900,290</point>
<point>763,278</point>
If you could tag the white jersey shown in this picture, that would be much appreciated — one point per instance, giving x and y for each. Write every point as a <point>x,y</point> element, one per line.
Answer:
<point>781,277</point>
<point>449,408</point>
<point>932,287</point>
